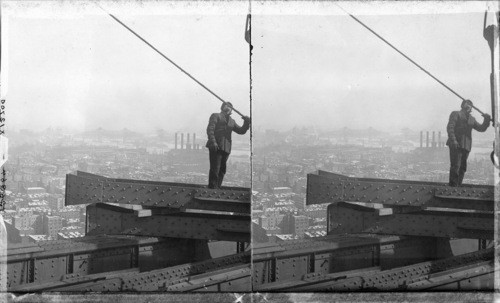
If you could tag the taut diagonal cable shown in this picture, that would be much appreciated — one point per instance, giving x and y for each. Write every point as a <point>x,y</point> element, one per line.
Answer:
<point>408,58</point>
<point>168,59</point>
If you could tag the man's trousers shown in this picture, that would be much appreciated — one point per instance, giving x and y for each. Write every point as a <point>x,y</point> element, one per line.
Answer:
<point>218,160</point>
<point>458,165</point>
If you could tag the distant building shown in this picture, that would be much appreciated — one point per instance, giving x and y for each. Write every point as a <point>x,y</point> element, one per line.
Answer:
<point>301,224</point>
<point>271,211</point>
<point>270,221</point>
<point>56,185</point>
<point>13,234</point>
<point>69,235</point>
<point>24,233</point>
<point>55,202</point>
<point>318,222</point>
<point>286,237</point>
<point>314,234</point>
<point>52,225</point>
<point>26,221</point>
<point>83,214</point>
<point>21,203</point>
<point>257,213</point>
<point>76,227</point>
<point>35,190</point>
<point>69,213</point>
<point>316,211</point>
<point>38,238</point>
<point>282,190</point>
<point>295,224</point>
<point>8,214</point>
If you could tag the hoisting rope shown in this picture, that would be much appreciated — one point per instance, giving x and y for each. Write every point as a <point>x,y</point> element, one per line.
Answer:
<point>168,59</point>
<point>408,58</point>
<point>490,33</point>
<point>248,39</point>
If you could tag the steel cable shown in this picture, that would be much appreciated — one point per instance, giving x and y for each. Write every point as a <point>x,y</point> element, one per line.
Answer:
<point>168,59</point>
<point>408,58</point>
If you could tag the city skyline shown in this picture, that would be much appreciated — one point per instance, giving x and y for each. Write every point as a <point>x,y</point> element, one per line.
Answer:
<point>286,147</point>
<point>36,175</point>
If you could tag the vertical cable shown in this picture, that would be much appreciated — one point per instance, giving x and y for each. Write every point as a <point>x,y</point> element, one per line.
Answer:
<point>248,37</point>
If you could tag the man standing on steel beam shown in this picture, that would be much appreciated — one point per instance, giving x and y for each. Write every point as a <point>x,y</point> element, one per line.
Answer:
<point>219,129</point>
<point>459,129</point>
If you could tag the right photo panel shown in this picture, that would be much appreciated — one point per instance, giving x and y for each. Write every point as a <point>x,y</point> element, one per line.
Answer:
<point>375,146</point>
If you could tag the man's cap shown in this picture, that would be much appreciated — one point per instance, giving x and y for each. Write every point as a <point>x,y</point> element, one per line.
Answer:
<point>228,103</point>
<point>465,102</point>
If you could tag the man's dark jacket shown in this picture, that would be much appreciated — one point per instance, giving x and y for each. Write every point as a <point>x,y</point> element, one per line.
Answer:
<point>460,128</point>
<point>219,129</point>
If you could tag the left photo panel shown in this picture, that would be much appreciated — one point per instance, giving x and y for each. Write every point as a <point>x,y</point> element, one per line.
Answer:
<point>129,160</point>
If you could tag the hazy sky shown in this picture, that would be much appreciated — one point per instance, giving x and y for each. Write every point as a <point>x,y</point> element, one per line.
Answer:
<point>319,67</point>
<point>72,65</point>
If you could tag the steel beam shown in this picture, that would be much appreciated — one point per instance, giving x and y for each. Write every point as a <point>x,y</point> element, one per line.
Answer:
<point>33,264</point>
<point>110,219</point>
<point>291,261</point>
<point>421,276</point>
<point>330,188</point>
<point>400,278</point>
<point>87,188</point>
<point>476,276</point>
<point>230,273</point>
<point>237,278</point>
<point>313,281</point>
<point>345,218</point>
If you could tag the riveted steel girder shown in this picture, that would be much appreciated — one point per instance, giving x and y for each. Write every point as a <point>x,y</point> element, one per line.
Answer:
<point>476,276</point>
<point>111,219</point>
<point>87,188</point>
<point>34,264</point>
<point>344,218</point>
<point>237,278</point>
<point>330,188</point>
<point>291,261</point>
<point>420,276</point>
<point>230,273</point>
<point>313,281</point>
<point>399,278</point>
